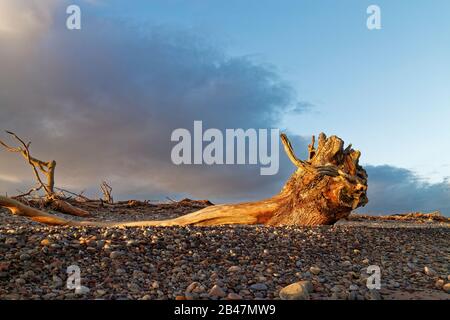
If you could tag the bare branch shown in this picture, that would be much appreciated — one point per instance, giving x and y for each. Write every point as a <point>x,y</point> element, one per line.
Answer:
<point>106,190</point>
<point>46,167</point>
<point>35,189</point>
<point>78,195</point>
<point>311,148</point>
<point>290,153</point>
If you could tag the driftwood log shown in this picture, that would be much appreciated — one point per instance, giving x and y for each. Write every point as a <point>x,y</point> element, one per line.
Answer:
<point>324,188</point>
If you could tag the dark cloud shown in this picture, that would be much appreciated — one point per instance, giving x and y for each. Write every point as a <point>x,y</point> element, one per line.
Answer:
<point>397,190</point>
<point>104,101</point>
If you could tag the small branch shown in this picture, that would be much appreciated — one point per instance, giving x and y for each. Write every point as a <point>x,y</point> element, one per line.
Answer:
<point>311,148</point>
<point>9,148</point>
<point>106,190</point>
<point>171,200</point>
<point>27,193</point>
<point>79,195</point>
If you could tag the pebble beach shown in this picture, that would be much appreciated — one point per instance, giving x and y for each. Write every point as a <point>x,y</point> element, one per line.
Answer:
<point>223,262</point>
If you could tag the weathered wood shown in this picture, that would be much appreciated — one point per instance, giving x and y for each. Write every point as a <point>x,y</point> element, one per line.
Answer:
<point>47,168</point>
<point>106,190</point>
<point>322,190</point>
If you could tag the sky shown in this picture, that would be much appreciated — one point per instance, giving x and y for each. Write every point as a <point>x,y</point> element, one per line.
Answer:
<point>103,100</point>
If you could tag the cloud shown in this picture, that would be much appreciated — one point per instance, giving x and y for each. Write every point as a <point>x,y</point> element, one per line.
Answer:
<point>397,190</point>
<point>103,102</point>
<point>25,18</point>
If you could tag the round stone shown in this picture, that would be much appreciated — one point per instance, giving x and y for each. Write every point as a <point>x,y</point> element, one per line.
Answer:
<point>315,270</point>
<point>296,291</point>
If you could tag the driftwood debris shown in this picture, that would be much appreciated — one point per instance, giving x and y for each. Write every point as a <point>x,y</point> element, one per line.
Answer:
<point>322,190</point>
<point>107,190</point>
<point>46,168</point>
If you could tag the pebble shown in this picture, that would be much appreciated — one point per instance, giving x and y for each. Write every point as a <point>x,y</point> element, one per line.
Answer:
<point>234,269</point>
<point>353,287</point>
<point>337,288</point>
<point>4,266</point>
<point>296,291</point>
<point>217,291</point>
<point>259,286</point>
<point>315,270</point>
<point>57,281</point>
<point>429,272</point>
<point>10,241</point>
<point>100,293</point>
<point>446,287</point>
<point>120,271</point>
<point>46,242</point>
<point>115,254</point>
<point>234,296</point>
<point>131,243</point>
<point>346,263</point>
<point>439,284</point>
<point>133,287</point>
<point>195,287</point>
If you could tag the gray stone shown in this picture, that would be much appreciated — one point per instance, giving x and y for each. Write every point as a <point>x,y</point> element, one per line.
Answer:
<point>258,286</point>
<point>57,281</point>
<point>24,256</point>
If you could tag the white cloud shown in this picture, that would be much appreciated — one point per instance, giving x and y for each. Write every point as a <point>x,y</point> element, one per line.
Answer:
<point>26,18</point>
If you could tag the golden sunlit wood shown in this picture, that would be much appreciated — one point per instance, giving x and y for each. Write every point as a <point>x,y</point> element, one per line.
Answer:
<point>322,190</point>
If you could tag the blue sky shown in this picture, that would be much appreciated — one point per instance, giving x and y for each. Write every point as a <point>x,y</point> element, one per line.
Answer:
<point>387,91</point>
